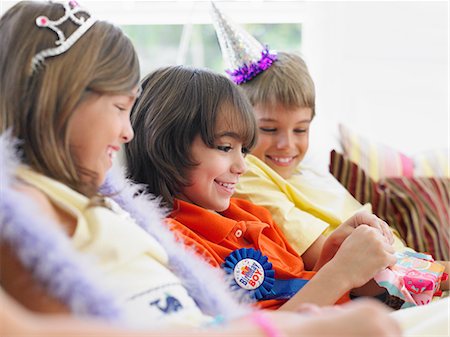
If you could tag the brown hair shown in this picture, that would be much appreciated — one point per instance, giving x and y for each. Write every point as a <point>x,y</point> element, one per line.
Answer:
<point>286,82</point>
<point>37,106</point>
<point>176,104</point>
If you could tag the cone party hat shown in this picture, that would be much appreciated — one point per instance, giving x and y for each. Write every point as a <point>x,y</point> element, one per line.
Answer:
<point>244,56</point>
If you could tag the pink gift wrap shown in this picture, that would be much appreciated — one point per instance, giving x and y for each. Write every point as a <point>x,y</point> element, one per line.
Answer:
<point>415,278</point>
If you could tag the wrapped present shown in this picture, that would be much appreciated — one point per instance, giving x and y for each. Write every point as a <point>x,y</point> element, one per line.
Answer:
<point>414,279</point>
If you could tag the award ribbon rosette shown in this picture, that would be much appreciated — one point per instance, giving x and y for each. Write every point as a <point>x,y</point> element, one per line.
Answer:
<point>252,271</point>
<point>415,278</point>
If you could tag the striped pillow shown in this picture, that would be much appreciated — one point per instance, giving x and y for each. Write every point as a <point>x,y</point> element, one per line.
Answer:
<point>432,163</point>
<point>378,160</point>
<point>417,207</point>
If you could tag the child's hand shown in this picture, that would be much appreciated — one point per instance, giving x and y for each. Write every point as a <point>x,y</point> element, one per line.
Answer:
<point>362,255</point>
<point>369,219</point>
<point>335,239</point>
<point>359,318</point>
<point>362,218</point>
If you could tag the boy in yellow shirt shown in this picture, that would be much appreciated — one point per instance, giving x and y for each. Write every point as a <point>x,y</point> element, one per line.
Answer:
<point>307,204</point>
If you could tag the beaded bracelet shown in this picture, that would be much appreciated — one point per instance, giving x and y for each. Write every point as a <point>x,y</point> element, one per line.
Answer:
<point>265,324</point>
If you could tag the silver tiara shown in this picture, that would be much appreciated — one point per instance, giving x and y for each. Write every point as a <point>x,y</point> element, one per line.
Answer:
<point>62,44</point>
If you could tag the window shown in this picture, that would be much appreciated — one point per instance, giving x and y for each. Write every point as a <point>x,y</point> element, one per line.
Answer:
<point>196,44</point>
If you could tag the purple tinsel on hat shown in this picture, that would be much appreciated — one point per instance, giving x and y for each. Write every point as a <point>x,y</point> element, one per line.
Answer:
<point>247,72</point>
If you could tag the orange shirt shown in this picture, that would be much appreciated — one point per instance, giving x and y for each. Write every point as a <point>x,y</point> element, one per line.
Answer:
<point>242,225</point>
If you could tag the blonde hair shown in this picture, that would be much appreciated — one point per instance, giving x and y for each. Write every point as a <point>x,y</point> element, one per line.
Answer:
<point>38,106</point>
<point>286,82</point>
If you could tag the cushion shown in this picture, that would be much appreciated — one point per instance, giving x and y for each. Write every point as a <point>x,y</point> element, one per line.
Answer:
<point>378,160</point>
<point>432,163</point>
<point>323,137</point>
<point>417,207</point>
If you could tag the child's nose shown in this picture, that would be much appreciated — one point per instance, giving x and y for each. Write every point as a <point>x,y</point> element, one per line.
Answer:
<point>285,140</point>
<point>239,166</point>
<point>127,132</point>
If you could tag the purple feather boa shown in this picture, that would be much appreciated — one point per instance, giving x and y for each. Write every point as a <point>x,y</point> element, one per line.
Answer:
<point>248,71</point>
<point>48,254</point>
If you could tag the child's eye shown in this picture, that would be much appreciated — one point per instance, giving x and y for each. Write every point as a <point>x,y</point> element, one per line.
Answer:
<point>268,129</point>
<point>224,148</point>
<point>120,108</point>
<point>300,130</point>
<point>245,151</point>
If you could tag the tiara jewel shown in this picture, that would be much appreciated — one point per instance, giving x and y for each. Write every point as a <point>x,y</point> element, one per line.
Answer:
<point>63,44</point>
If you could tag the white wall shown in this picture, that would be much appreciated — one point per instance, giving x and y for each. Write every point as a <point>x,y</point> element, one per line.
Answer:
<point>382,69</point>
<point>379,67</point>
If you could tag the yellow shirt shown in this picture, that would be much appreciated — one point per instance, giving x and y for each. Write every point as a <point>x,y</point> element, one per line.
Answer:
<point>304,206</point>
<point>133,264</point>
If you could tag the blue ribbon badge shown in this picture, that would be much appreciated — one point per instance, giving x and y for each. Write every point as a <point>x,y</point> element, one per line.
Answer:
<point>251,270</point>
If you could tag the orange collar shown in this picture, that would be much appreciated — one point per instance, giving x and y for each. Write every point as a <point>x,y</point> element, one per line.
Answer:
<point>211,225</point>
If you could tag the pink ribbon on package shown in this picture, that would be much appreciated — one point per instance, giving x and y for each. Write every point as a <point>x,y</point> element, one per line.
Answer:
<point>415,278</point>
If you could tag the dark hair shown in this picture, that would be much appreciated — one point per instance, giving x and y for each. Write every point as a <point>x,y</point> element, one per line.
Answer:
<point>176,104</point>
<point>37,106</point>
<point>286,82</point>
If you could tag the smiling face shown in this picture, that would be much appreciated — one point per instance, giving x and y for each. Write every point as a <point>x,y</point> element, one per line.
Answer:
<point>99,126</point>
<point>283,137</point>
<point>214,179</point>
